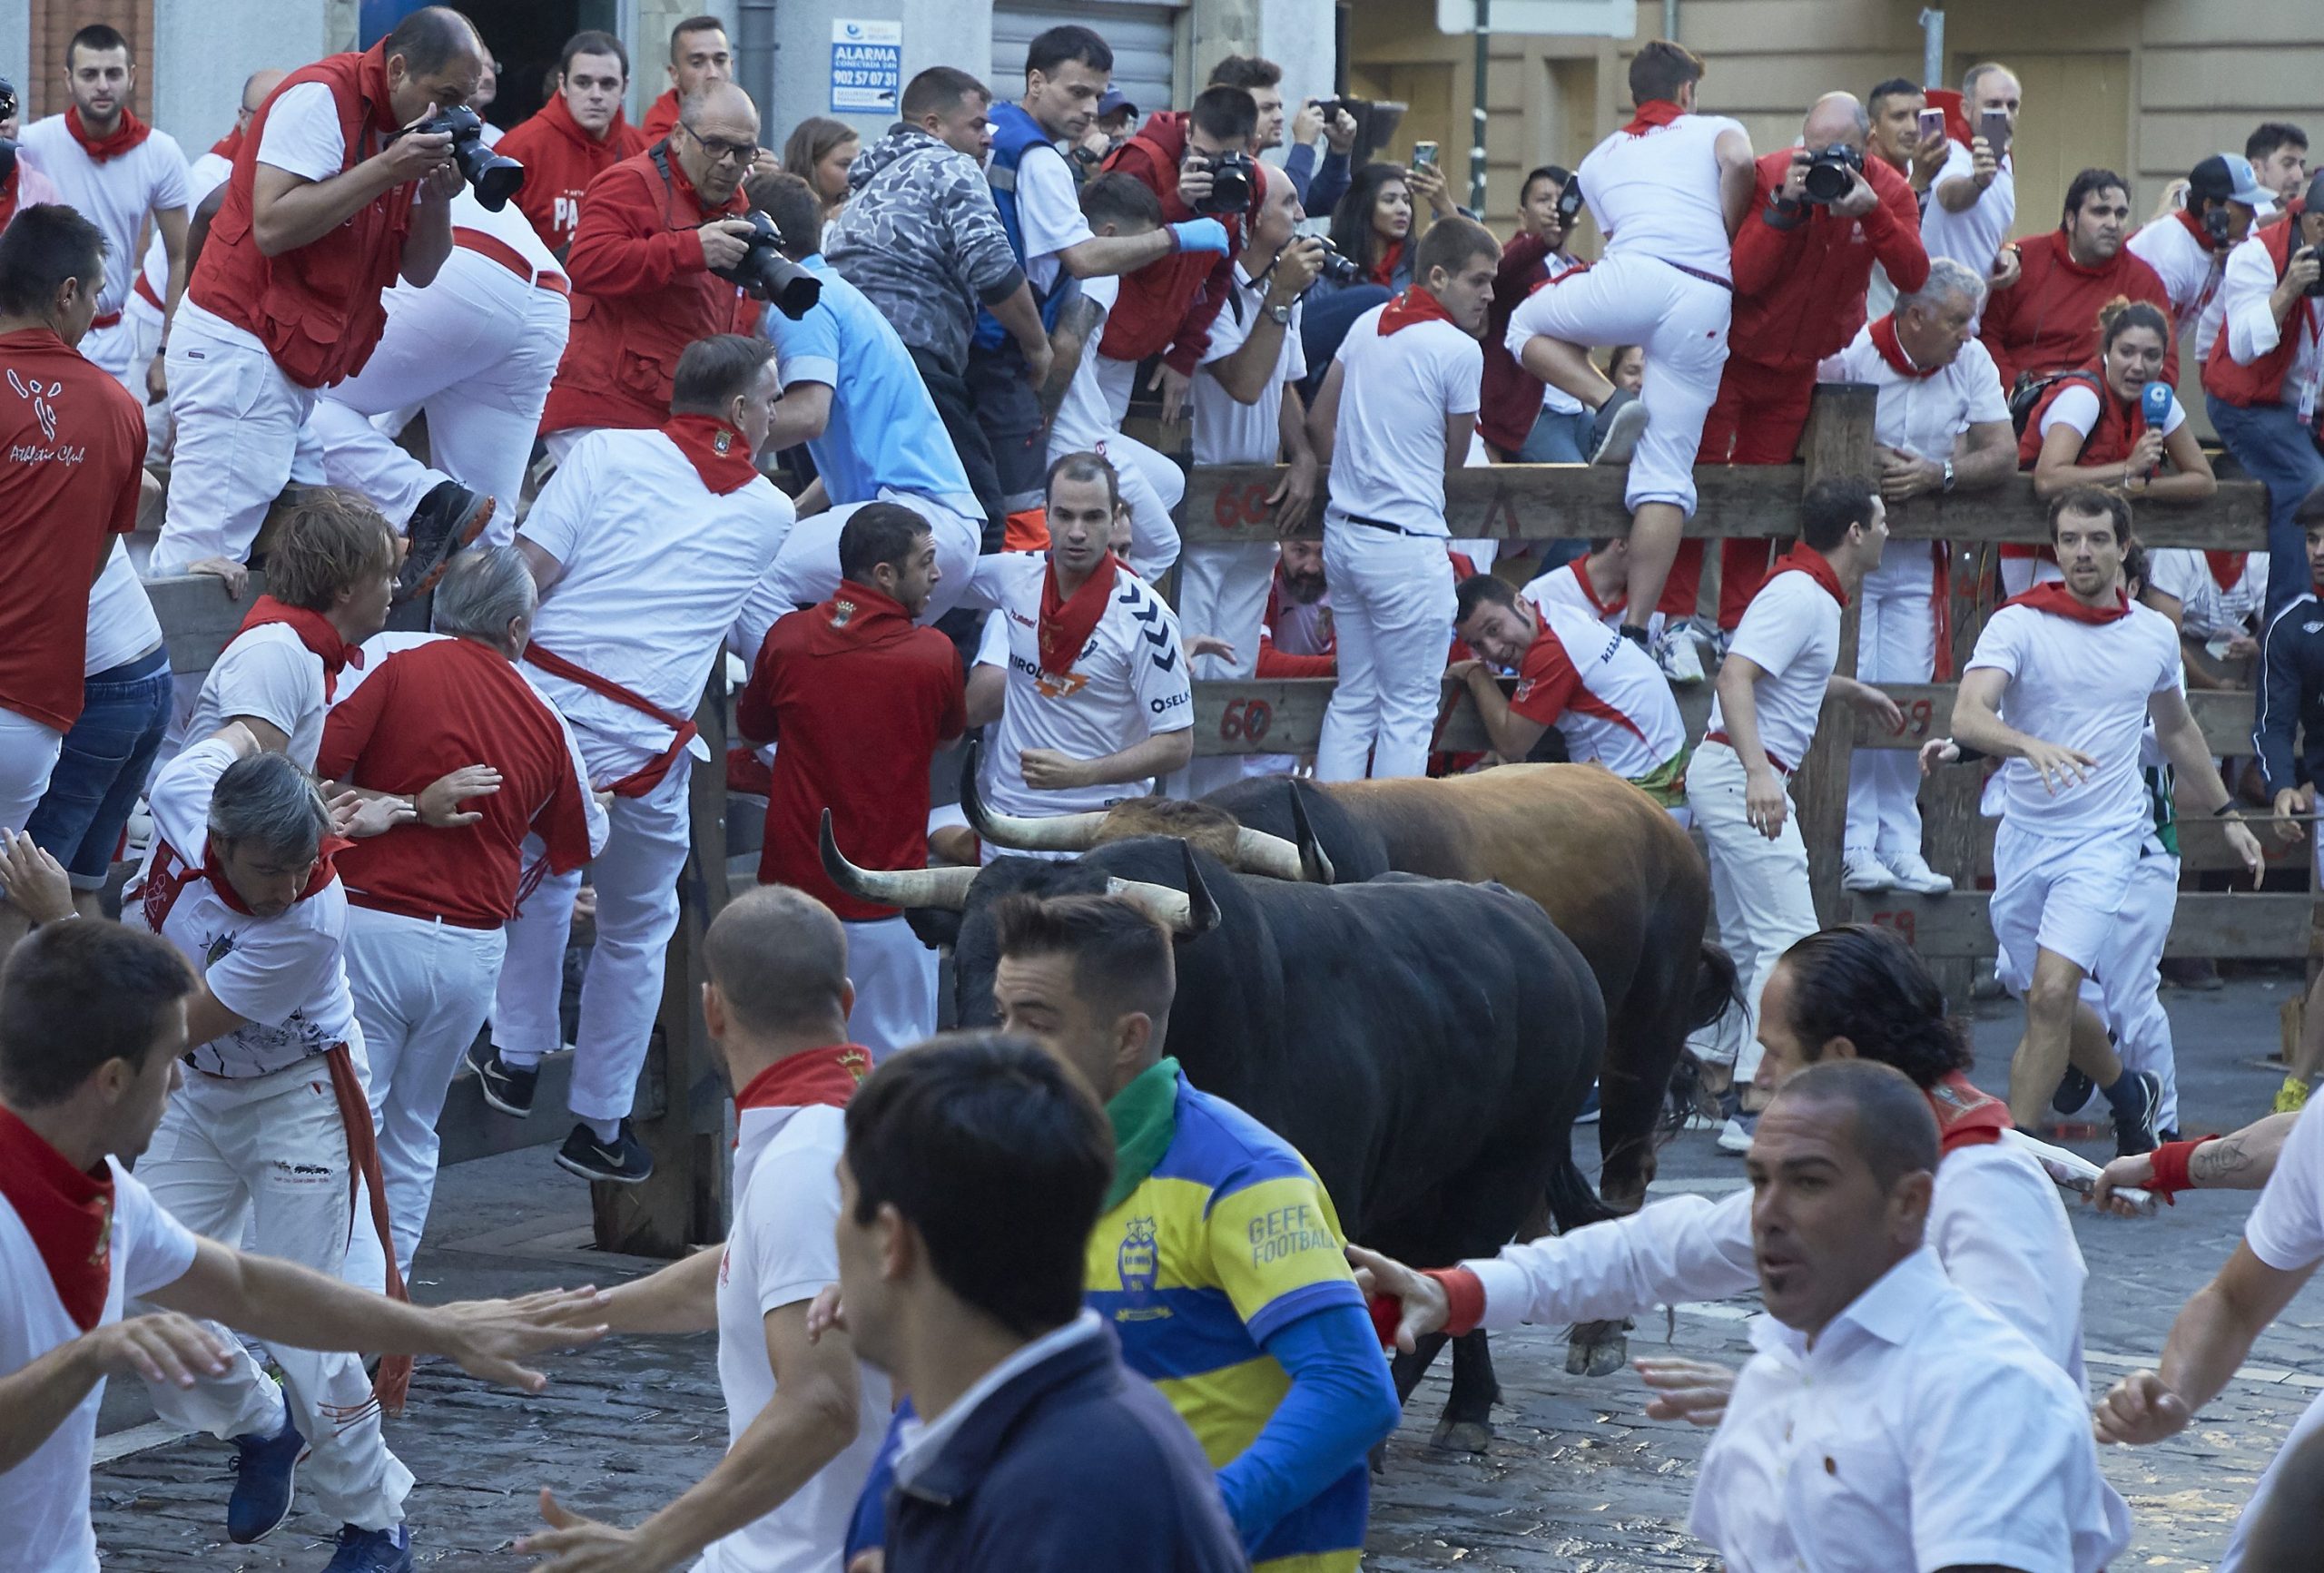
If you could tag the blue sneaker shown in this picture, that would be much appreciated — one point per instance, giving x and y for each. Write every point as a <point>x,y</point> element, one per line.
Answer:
<point>266,1470</point>
<point>385,1551</point>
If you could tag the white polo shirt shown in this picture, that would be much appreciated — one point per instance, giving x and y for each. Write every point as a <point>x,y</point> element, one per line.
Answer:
<point>1791,631</point>
<point>283,973</point>
<point>2076,405</point>
<point>2208,608</point>
<point>116,195</point>
<point>1974,236</point>
<point>2083,686</point>
<point>44,1499</point>
<point>203,175</point>
<point>1569,586</point>
<point>1129,683</point>
<point>266,672</point>
<point>1227,431</point>
<point>1657,193</point>
<point>780,1252</point>
<point>1604,692</point>
<point>2286,1231</point>
<point>1085,419</point>
<point>1396,391</point>
<point>1919,1432</point>
<point>2191,272</point>
<point>1921,415</point>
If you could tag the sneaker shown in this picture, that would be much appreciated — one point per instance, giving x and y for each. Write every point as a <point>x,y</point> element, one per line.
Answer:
<point>623,1162</point>
<point>385,1551</point>
<point>1615,433</point>
<point>1911,872</point>
<point>447,518</point>
<point>1735,1136</point>
<point>266,1472</point>
<point>1729,1104</point>
<point>1861,870</point>
<point>1589,1115</point>
<point>2134,1132</point>
<point>506,1087</point>
<point>2292,1097</point>
<point>2075,1088</point>
<point>1681,657</point>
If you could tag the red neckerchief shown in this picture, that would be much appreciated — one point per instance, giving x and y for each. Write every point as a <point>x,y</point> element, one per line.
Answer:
<point>2052,598</point>
<point>1383,271</point>
<point>1892,349</point>
<point>126,136</point>
<point>227,146</point>
<point>1805,559</point>
<point>1654,113</point>
<point>314,631</point>
<point>1415,305</point>
<point>1589,591</point>
<point>8,193</point>
<point>371,73</point>
<point>719,454</point>
<point>2227,567</point>
<point>857,617</point>
<point>1966,1117</point>
<point>1956,113</point>
<point>2195,227</point>
<point>325,872</point>
<point>68,1214</point>
<point>1067,622</point>
<point>812,1078</point>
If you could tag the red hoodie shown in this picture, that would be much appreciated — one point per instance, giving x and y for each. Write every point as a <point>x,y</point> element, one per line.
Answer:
<point>660,116</point>
<point>2048,321</point>
<point>1169,304</point>
<point>560,159</point>
<point>1800,278</point>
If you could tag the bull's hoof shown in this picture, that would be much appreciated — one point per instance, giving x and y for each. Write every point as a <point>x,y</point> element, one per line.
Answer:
<point>1597,1349</point>
<point>1461,1436</point>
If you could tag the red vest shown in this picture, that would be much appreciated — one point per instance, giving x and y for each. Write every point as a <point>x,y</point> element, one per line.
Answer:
<point>2120,423</point>
<point>316,308</point>
<point>2261,382</point>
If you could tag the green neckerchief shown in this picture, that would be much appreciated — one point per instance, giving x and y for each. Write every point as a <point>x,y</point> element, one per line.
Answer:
<point>1146,1117</point>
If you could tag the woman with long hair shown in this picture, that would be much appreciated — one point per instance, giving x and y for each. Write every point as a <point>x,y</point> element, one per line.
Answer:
<point>1371,226</point>
<point>818,152</point>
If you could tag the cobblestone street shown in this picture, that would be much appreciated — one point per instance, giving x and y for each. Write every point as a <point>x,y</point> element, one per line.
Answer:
<point>1575,1478</point>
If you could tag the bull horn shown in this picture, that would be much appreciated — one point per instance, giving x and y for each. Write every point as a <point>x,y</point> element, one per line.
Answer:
<point>947,889</point>
<point>1316,867</point>
<point>1016,834</point>
<point>1187,913</point>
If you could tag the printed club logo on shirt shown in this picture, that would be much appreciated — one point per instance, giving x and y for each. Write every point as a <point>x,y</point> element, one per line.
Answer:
<point>44,410</point>
<point>1137,1263</point>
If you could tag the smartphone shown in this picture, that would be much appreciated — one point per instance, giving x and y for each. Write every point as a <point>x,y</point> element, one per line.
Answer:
<point>1423,155</point>
<point>1994,126</point>
<point>1931,124</point>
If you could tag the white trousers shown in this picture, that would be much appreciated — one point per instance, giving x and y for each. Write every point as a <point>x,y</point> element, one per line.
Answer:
<point>1152,487</point>
<point>895,986</point>
<point>241,437</point>
<point>28,754</point>
<point>1223,592</point>
<point>421,990</point>
<point>476,351</point>
<point>1117,380</point>
<point>1759,888</point>
<point>1895,642</point>
<point>1682,322</point>
<point>807,567</point>
<point>270,1152</point>
<point>125,349</point>
<point>2130,975</point>
<point>1392,609</point>
<point>637,881</point>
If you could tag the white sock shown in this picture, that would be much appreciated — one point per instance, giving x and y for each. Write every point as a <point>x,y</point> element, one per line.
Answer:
<point>606,1131</point>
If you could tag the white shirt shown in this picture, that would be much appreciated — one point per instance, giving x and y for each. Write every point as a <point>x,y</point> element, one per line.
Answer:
<point>1048,215</point>
<point>1225,431</point>
<point>203,175</point>
<point>1972,237</point>
<point>302,135</point>
<point>2085,686</point>
<point>1919,1432</point>
<point>44,1499</point>
<point>266,672</point>
<point>116,195</point>
<point>2286,1231</point>
<point>1791,631</point>
<point>283,973</point>
<point>780,1252</point>
<point>1657,194</point>
<point>2252,329</point>
<point>1621,712</point>
<point>2076,405</point>
<point>2205,609</point>
<point>1085,417</point>
<point>1921,415</point>
<point>657,568</point>
<point>919,1442</point>
<point>122,624</point>
<point>1556,400</point>
<point>1129,683</point>
<point>1569,586</point>
<point>1396,391</point>
<point>2191,273</point>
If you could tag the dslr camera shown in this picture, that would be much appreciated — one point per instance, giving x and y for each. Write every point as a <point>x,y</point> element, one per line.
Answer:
<point>493,178</point>
<point>1233,178</point>
<point>2316,285</point>
<point>1830,171</point>
<point>1337,265</point>
<point>766,272</point>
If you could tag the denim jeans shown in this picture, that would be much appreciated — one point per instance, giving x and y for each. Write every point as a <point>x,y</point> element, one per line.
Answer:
<point>106,758</point>
<point>2270,441</point>
<point>1558,438</point>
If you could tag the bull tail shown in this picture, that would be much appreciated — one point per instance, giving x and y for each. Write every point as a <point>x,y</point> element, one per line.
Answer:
<point>1717,988</point>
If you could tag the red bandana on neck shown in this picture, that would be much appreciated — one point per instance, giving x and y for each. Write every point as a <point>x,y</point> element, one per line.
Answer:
<point>314,631</point>
<point>2055,599</point>
<point>1654,113</point>
<point>1067,621</point>
<point>1580,570</point>
<point>1956,114</point>
<point>325,872</point>
<point>128,134</point>
<point>1892,349</point>
<point>227,146</point>
<point>812,1078</point>
<point>1383,271</point>
<point>1805,559</point>
<point>1966,1117</point>
<point>2227,567</point>
<point>2195,228</point>
<point>1415,305</point>
<point>68,1214</point>
<point>719,454</point>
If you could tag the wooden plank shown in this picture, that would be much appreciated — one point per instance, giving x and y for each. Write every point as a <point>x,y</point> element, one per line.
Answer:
<point>1837,446</point>
<point>2236,926</point>
<point>1950,822</point>
<point>198,618</point>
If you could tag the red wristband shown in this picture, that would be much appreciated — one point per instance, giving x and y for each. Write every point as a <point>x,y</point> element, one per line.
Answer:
<point>1464,1297</point>
<point>2169,1161</point>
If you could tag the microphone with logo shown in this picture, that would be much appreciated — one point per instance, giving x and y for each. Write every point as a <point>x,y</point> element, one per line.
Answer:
<point>2155,405</point>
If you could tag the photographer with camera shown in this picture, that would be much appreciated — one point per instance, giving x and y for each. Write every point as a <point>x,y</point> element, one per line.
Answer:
<point>2047,321</point>
<point>2260,381</point>
<point>651,261</point>
<point>326,207</point>
<point>2187,247</point>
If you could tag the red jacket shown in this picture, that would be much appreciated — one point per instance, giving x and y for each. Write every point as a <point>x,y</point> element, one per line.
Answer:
<point>1170,303</point>
<point>660,116</point>
<point>316,308</point>
<point>1510,400</point>
<point>560,159</point>
<point>2048,321</point>
<point>1800,278</point>
<point>641,294</point>
<point>2262,381</point>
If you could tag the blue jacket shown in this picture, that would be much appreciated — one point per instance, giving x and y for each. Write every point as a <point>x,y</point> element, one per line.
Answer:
<point>1015,133</point>
<point>2288,733</point>
<point>1073,1465</point>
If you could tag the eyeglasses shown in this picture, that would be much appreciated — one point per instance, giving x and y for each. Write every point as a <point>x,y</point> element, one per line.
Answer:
<point>722,152</point>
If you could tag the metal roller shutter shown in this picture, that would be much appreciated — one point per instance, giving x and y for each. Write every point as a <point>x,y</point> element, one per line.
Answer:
<point>1143,34</point>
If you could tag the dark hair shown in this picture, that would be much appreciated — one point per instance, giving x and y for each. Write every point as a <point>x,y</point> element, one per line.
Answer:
<point>1053,48</point>
<point>1450,244</point>
<point>98,39</point>
<point>793,204</point>
<point>1084,466</point>
<point>1225,115</point>
<point>1351,228</point>
<point>1121,957</point>
<point>1477,589</point>
<point>2087,184</point>
<point>431,38</point>
<point>2272,135</point>
<point>1614,355</point>
<point>1556,174</point>
<point>2090,502</point>
<point>332,540</point>
<point>694,24</point>
<point>266,800</point>
<point>999,1157</point>
<point>1829,507</point>
<point>76,995</point>
<point>1894,87</point>
<point>879,533</point>
<point>2122,314</point>
<point>1893,1129</point>
<point>940,90</point>
<point>716,371</point>
<point>1115,198</point>
<point>1867,985</point>
<point>812,140</point>
<point>1659,69</point>
<point>590,41</point>
<point>2134,567</point>
<point>1247,72</point>
<point>779,958</point>
<point>43,246</point>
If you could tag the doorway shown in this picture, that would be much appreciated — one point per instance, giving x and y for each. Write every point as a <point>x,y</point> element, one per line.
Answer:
<point>526,38</point>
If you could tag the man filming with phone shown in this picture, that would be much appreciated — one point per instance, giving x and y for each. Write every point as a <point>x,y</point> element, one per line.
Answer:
<point>1974,201</point>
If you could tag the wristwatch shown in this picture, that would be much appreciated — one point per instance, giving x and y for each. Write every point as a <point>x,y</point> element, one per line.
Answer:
<point>1279,315</point>
<point>1948,475</point>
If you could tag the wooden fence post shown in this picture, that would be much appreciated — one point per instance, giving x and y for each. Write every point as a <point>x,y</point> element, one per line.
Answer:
<point>1838,446</point>
<point>1954,828</point>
